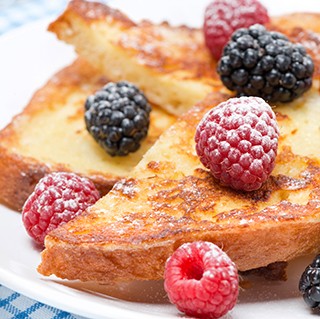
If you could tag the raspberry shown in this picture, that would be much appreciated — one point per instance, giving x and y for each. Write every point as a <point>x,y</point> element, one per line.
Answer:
<point>223,17</point>
<point>56,199</point>
<point>309,284</point>
<point>238,141</point>
<point>201,280</point>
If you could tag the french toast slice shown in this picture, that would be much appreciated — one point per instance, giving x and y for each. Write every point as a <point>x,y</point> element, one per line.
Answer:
<point>170,64</point>
<point>171,199</point>
<point>50,135</point>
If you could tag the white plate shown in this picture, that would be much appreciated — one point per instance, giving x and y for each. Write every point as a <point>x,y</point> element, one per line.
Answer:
<point>29,56</point>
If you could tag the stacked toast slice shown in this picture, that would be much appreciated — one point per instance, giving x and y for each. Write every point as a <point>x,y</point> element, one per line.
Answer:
<point>170,199</point>
<point>50,135</point>
<point>170,64</point>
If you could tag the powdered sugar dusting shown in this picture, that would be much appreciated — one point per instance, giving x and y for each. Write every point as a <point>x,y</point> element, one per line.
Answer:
<point>128,187</point>
<point>238,140</point>
<point>57,198</point>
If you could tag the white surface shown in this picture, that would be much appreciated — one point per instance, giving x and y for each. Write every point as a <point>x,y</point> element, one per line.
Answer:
<point>29,56</point>
<point>191,11</point>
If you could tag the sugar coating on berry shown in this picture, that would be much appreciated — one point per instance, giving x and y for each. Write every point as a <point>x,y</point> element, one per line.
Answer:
<point>201,280</point>
<point>238,141</point>
<point>223,17</point>
<point>57,198</point>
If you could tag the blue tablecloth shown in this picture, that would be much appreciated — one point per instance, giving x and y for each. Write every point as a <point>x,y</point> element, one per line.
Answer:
<point>15,13</point>
<point>15,305</point>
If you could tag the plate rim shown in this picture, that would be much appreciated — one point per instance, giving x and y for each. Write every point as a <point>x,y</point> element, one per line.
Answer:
<point>20,284</point>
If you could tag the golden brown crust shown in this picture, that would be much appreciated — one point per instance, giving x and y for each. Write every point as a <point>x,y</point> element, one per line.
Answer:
<point>155,56</point>
<point>297,20</point>
<point>147,263</point>
<point>144,39</point>
<point>20,172</point>
<point>56,92</point>
<point>147,42</point>
<point>151,216</point>
<point>93,11</point>
<point>18,178</point>
<point>170,199</point>
<point>153,233</point>
<point>162,60</point>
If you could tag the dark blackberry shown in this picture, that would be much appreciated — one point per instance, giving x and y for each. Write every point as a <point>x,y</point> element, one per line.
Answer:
<point>309,284</point>
<point>118,117</point>
<point>266,64</point>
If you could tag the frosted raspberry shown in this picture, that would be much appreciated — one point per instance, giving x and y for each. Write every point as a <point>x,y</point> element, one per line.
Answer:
<point>56,199</point>
<point>223,17</point>
<point>238,141</point>
<point>201,280</point>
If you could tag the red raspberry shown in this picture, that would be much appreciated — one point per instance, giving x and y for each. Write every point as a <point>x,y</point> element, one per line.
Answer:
<point>201,280</point>
<point>223,17</point>
<point>238,141</point>
<point>56,199</point>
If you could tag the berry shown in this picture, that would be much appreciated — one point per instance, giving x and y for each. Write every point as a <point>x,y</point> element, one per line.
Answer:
<point>223,17</point>
<point>118,116</point>
<point>238,140</point>
<point>201,280</point>
<point>309,284</point>
<point>266,64</point>
<point>56,199</point>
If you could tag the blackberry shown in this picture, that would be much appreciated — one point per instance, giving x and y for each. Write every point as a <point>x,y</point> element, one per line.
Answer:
<point>118,117</point>
<point>266,64</point>
<point>309,284</point>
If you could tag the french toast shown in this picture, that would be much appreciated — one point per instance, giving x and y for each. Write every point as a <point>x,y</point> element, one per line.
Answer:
<point>170,64</point>
<point>170,199</point>
<point>50,135</point>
